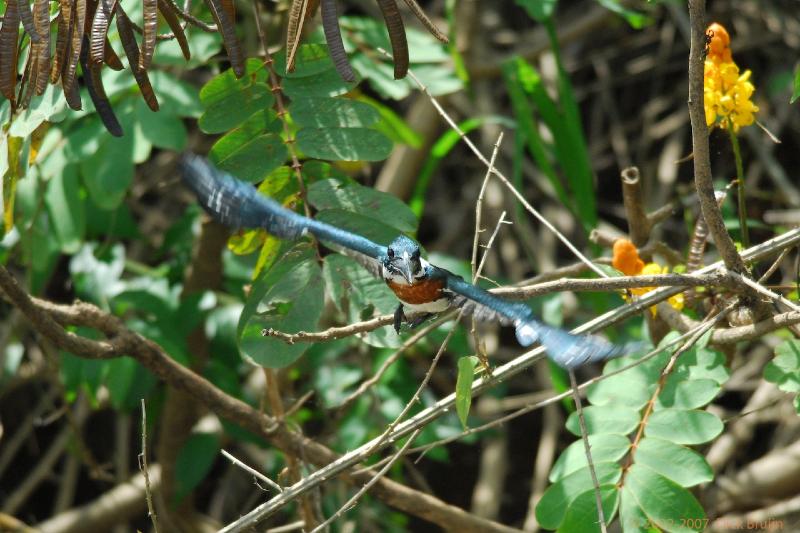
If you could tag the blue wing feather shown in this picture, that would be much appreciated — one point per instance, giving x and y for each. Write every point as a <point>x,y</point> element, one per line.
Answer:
<point>237,204</point>
<point>565,349</point>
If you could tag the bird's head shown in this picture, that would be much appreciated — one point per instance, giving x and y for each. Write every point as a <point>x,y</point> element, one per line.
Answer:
<point>402,259</point>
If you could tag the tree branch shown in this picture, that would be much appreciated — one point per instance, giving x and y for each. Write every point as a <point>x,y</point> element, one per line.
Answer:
<point>701,159</point>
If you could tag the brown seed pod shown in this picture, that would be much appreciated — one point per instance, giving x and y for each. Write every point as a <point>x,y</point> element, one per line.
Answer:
<point>397,36</point>
<point>229,39</point>
<point>132,51</point>
<point>175,25</point>
<point>149,32</point>
<point>94,84</point>
<point>9,35</point>
<point>102,18</point>
<point>333,36</point>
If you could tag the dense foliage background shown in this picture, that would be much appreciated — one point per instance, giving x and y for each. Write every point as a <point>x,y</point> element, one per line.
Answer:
<point>139,299</point>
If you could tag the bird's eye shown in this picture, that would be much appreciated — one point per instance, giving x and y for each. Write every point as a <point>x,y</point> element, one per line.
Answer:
<point>415,255</point>
<point>390,252</point>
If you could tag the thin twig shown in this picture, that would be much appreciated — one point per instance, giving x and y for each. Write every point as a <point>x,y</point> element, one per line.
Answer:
<point>601,518</point>
<point>151,510</point>
<point>250,470</point>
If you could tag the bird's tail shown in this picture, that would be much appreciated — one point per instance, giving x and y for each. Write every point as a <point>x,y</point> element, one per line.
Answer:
<point>568,350</point>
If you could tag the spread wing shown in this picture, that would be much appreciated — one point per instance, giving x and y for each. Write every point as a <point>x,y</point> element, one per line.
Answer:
<point>237,204</point>
<point>565,349</point>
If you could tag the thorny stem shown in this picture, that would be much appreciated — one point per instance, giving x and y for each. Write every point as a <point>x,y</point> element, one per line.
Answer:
<point>737,156</point>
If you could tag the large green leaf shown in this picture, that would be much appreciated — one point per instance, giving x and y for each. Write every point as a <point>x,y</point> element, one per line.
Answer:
<point>678,463</point>
<point>344,144</point>
<point>582,516</point>
<point>605,419</point>
<point>552,508</point>
<point>630,388</point>
<point>229,101</point>
<point>128,382</point>
<point>333,194</point>
<point>248,157</point>
<point>605,447</point>
<point>683,426</point>
<point>688,394</point>
<point>664,502</point>
<point>288,297</point>
<point>333,112</point>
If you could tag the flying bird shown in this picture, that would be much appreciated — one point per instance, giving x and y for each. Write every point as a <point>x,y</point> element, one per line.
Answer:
<point>418,285</point>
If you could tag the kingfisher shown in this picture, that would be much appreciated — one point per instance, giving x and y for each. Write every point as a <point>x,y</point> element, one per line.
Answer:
<point>420,287</point>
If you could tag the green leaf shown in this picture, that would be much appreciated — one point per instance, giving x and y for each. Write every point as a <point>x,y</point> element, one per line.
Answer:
<point>333,112</point>
<point>50,106</point>
<point>360,295</point>
<point>636,20</point>
<point>67,209</point>
<point>369,227</point>
<point>605,419</point>
<point>690,394</point>
<point>795,86</point>
<point>229,101</point>
<point>466,375</point>
<point>630,388</point>
<point>539,10</point>
<point>108,172</point>
<point>194,462</point>
<point>664,502</point>
<point>128,382</point>
<point>605,447</point>
<point>673,461</point>
<point>327,83</point>
<point>250,158</point>
<point>582,516</point>
<point>704,363</point>
<point>177,97</point>
<point>160,128</point>
<point>381,206</point>
<point>784,369</point>
<point>632,517</point>
<point>288,297</point>
<point>393,125</point>
<point>552,508</point>
<point>309,60</point>
<point>344,144</point>
<point>683,426</point>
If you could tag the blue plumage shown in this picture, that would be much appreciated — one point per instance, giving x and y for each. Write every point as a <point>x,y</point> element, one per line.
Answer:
<point>419,285</point>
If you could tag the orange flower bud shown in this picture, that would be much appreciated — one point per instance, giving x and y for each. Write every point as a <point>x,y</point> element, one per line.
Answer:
<point>626,258</point>
<point>719,49</point>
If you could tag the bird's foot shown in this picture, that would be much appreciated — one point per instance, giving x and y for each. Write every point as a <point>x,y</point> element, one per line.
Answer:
<point>419,320</point>
<point>399,316</point>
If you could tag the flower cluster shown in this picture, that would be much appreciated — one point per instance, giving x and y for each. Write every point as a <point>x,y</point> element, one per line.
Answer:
<point>626,259</point>
<point>727,94</point>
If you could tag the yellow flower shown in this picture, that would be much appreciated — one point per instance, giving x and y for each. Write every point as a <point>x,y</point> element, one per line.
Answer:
<point>727,93</point>
<point>626,260</point>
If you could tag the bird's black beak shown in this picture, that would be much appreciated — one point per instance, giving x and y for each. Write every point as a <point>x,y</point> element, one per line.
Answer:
<point>404,265</point>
